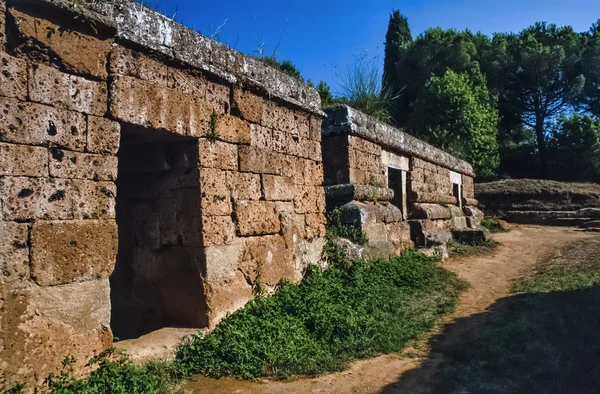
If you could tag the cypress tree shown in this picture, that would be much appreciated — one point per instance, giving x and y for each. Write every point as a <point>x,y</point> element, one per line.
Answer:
<point>398,34</point>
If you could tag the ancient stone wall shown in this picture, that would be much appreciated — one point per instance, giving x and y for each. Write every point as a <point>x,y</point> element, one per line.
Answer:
<point>398,189</point>
<point>124,133</point>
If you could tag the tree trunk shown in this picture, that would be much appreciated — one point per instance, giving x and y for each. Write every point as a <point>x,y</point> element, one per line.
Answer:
<point>542,149</point>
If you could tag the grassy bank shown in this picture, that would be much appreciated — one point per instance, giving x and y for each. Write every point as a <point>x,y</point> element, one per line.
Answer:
<point>330,318</point>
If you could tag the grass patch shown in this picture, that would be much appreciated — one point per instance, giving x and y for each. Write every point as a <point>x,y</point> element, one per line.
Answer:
<point>574,266</point>
<point>543,340</point>
<point>330,318</point>
<point>114,374</point>
<point>493,225</point>
<point>477,249</point>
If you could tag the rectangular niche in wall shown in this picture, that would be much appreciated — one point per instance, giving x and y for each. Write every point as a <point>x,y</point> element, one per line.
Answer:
<point>157,280</point>
<point>396,168</point>
<point>456,180</point>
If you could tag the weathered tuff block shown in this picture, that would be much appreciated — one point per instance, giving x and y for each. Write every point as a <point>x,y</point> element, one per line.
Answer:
<point>232,129</point>
<point>75,317</point>
<point>93,200</point>
<point>23,160</point>
<point>35,124</point>
<point>249,105</point>
<point>2,25</point>
<point>257,218</point>
<point>72,251</point>
<point>268,251</point>
<point>36,198</point>
<point>75,165</point>
<point>260,161</point>
<point>48,85</point>
<point>309,199</point>
<point>217,230</point>
<point>214,193</point>
<point>217,154</point>
<point>244,186</point>
<point>102,135</point>
<point>14,255</point>
<point>79,52</point>
<point>13,76</point>
<point>150,105</point>
<point>278,188</point>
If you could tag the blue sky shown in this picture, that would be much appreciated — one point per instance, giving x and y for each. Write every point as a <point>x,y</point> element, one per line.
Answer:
<point>322,37</point>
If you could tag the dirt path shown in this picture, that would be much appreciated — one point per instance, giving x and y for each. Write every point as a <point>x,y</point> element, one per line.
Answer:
<point>490,278</point>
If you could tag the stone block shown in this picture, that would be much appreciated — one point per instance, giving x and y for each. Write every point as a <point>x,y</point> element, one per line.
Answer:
<point>35,124</point>
<point>2,25</point>
<point>244,186</point>
<point>14,255</point>
<point>459,223</point>
<point>249,105</point>
<point>287,143</point>
<point>309,199</point>
<point>187,81</point>
<point>103,135</point>
<point>218,97</point>
<point>225,296</point>
<point>126,62</point>
<point>68,251</point>
<point>75,165</point>
<point>214,193</point>
<point>154,106</point>
<point>50,86</point>
<point>233,129</point>
<point>473,212</point>
<point>311,150</point>
<point>217,154</point>
<point>362,145</point>
<point>313,173</point>
<point>361,177</point>
<point>279,118</point>
<point>36,198</point>
<point>273,256</point>
<point>94,200</point>
<point>23,160</point>
<point>315,225</point>
<point>223,261</point>
<point>303,124</point>
<point>259,161</point>
<point>430,211</point>
<point>315,128</point>
<point>261,137</point>
<point>80,53</point>
<point>217,230</point>
<point>399,235</point>
<point>350,192</point>
<point>278,188</point>
<point>428,197</point>
<point>257,217</point>
<point>41,325</point>
<point>13,75</point>
<point>469,236</point>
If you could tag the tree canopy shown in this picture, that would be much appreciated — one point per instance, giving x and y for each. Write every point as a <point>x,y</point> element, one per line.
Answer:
<point>533,80</point>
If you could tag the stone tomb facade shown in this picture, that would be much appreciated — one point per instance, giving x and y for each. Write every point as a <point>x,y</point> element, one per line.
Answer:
<point>401,191</point>
<point>147,174</point>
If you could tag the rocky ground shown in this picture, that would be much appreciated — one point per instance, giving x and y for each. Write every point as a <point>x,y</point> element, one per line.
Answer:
<point>490,277</point>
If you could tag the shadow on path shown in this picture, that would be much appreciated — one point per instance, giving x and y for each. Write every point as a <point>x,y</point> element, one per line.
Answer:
<point>533,343</point>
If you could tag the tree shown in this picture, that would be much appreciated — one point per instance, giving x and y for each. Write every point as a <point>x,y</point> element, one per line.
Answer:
<point>456,112</point>
<point>542,78</point>
<point>397,38</point>
<point>591,69</point>
<point>432,53</point>
<point>575,147</point>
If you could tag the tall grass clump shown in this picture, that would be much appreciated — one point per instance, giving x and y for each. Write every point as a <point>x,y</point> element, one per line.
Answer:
<point>330,318</point>
<point>360,88</point>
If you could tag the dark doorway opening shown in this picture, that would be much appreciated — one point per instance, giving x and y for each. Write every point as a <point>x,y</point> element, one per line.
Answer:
<point>397,182</point>
<point>157,281</point>
<point>457,193</point>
